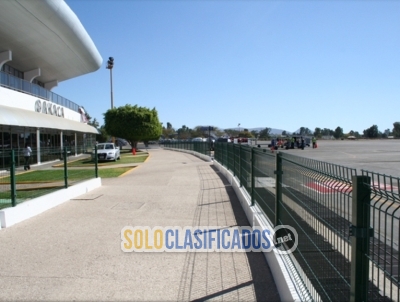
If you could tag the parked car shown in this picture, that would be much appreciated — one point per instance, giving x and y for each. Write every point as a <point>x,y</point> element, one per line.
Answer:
<point>198,139</point>
<point>239,139</point>
<point>223,140</point>
<point>119,141</point>
<point>107,151</point>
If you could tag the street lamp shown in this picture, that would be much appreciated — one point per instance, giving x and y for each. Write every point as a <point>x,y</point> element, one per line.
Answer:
<point>239,127</point>
<point>110,65</point>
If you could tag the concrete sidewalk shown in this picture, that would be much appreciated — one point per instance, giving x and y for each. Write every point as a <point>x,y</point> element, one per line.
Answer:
<point>72,252</point>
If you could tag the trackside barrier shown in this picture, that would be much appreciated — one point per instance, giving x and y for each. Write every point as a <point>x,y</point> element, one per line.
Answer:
<point>199,147</point>
<point>18,185</point>
<point>347,224</point>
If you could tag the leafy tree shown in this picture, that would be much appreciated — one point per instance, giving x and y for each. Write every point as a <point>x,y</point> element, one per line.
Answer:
<point>284,132</point>
<point>218,132</point>
<point>371,132</point>
<point>246,134</point>
<point>327,132</point>
<point>168,132</point>
<point>133,123</point>
<point>231,132</point>
<point>93,123</point>
<point>265,133</point>
<point>305,131</point>
<point>338,132</point>
<point>254,133</point>
<point>184,132</point>
<point>396,129</point>
<point>103,136</point>
<point>197,132</point>
<point>387,132</point>
<point>318,132</point>
<point>206,132</point>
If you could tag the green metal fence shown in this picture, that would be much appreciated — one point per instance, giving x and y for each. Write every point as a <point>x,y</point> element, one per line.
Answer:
<point>18,185</point>
<point>347,224</point>
<point>383,211</point>
<point>46,154</point>
<point>200,147</point>
<point>315,200</point>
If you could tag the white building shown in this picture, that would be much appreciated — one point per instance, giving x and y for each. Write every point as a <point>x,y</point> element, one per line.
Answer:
<point>42,43</point>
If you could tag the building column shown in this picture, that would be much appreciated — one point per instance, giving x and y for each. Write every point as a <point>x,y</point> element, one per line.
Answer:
<point>51,85</point>
<point>30,75</point>
<point>5,56</point>
<point>38,145</point>
<point>76,145</point>
<point>61,141</point>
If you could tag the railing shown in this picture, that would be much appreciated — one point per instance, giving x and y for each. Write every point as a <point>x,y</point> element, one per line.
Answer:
<point>12,82</point>
<point>17,185</point>
<point>200,147</point>
<point>383,209</point>
<point>315,200</point>
<point>347,224</point>
<point>46,154</point>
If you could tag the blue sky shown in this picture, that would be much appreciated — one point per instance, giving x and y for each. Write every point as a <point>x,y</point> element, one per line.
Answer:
<point>277,64</point>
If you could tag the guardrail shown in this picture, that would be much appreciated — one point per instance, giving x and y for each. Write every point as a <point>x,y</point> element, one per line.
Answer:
<point>46,154</point>
<point>347,224</point>
<point>21,85</point>
<point>17,185</point>
<point>200,147</point>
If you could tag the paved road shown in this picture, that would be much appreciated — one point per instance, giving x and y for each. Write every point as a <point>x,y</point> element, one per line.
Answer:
<point>72,252</point>
<point>381,156</point>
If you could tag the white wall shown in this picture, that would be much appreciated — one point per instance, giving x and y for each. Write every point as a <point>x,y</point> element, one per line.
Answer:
<point>15,99</point>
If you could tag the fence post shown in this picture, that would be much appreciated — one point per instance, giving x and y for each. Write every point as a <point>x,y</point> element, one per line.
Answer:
<point>65,168</point>
<point>278,187</point>
<point>224,153</point>
<point>360,233</point>
<point>12,179</point>
<point>96,166</point>
<point>234,160</point>
<point>252,159</point>
<point>240,165</point>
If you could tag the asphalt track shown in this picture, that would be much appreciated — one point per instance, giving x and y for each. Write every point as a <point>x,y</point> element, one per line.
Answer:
<point>380,156</point>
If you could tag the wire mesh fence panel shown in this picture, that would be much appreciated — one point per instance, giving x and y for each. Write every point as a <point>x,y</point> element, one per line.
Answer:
<point>230,157</point>
<point>200,147</point>
<point>32,183</point>
<point>264,182</point>
<point>316,201</point>
<point>224,158</point>
<point>236,160</point>
<point>245,168</point>
<point>219,152</point>
<point>5,189</point>
<point>384,211</point>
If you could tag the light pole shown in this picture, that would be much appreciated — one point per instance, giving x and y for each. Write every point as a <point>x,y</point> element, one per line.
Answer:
<point>239,129</point>
<point>110,65</point>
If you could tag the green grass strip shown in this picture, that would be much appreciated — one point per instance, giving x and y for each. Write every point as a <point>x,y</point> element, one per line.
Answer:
<point>58,175</point>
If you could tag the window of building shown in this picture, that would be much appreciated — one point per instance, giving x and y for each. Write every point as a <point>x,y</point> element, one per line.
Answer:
<point>11,70</point>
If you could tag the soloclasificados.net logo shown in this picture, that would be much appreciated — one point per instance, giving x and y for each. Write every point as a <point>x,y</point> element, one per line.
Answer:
<point>283,239</point>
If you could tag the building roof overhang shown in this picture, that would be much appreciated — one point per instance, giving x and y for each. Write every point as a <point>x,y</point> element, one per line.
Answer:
<point>30,119</point>
<point>48,35</point>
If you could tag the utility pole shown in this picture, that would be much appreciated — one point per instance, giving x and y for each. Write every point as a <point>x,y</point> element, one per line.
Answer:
<point>110,65</point>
